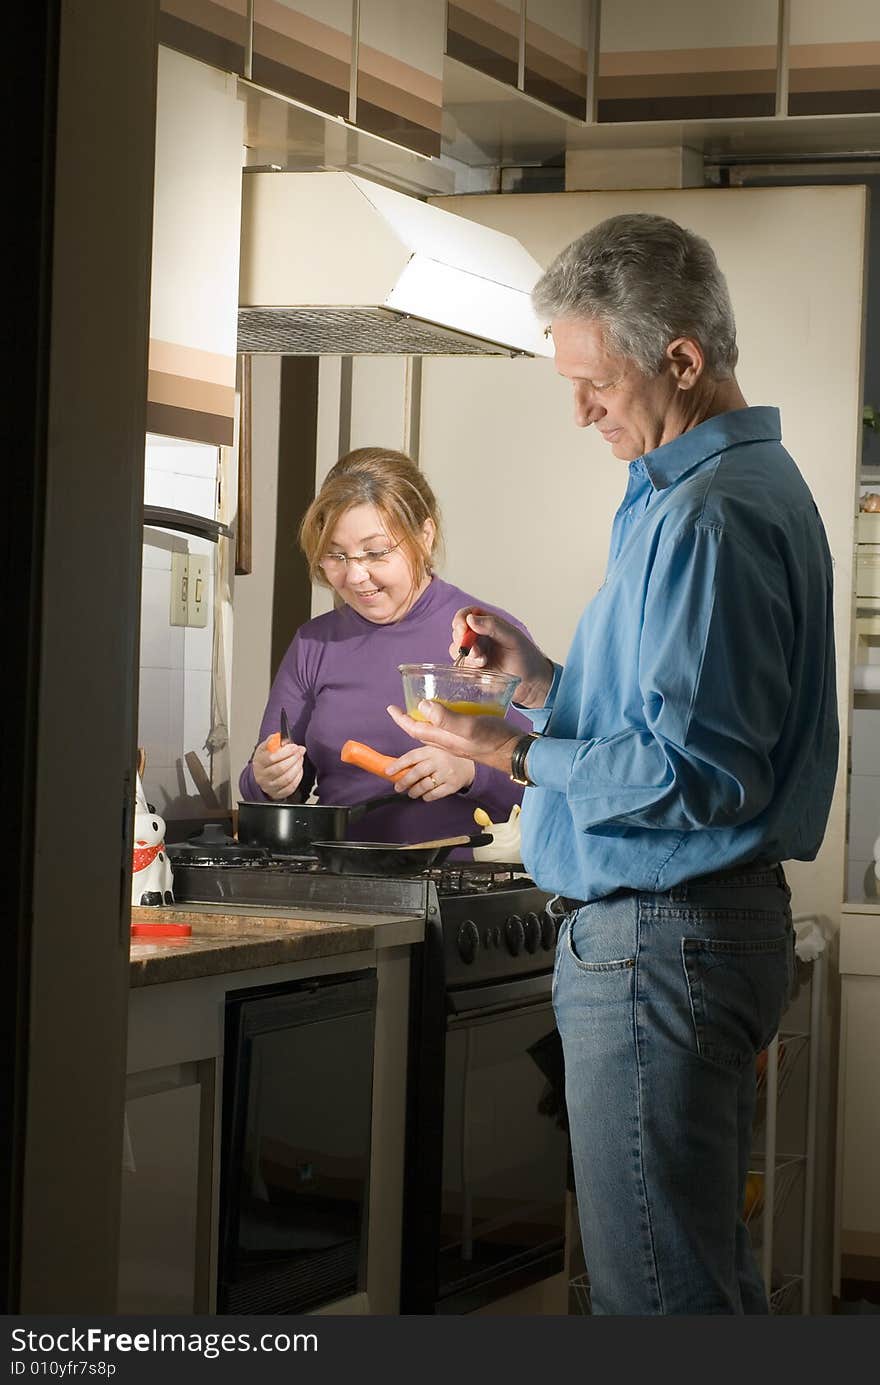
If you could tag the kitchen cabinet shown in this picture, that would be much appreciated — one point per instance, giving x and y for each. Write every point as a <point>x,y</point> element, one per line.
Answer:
<point>688,61</point>
<point>556,53</point>
<point>485,34</point>
<point>539,46</point>
<point>303,49</point>
<point>833,57</point>
<point>857,1221</point>
<point>400,71</point>
<point>166,1188</point>
<point>168,1259</point>
<point>215,31</point>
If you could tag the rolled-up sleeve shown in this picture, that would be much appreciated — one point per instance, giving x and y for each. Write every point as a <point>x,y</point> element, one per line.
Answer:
<point>714,684</point>
<point>539,716</point>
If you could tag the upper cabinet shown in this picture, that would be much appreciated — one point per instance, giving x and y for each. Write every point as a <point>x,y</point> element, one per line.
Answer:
<point>196,236</point>
<point>303,49</point>
<point>687,61</point>
<point>834,57</point>
<point>214,30</point>
<point>539,46</point>
<point>400,71</point>
<point>485,34</point>
<point>556,53</point>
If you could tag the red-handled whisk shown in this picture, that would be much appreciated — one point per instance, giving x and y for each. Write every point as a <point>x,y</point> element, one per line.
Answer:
<point>468,640</point>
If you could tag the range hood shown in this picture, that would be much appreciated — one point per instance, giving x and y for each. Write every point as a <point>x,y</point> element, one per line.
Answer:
<point>333,264</point>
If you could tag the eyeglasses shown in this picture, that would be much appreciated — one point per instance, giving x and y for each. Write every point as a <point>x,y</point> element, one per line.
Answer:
<point>337,562</point>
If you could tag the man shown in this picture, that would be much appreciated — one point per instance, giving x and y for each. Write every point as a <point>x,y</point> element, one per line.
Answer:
<point>687,747</point>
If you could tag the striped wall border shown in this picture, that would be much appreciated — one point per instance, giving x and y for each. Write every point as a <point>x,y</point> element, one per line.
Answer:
<point>190,394</point>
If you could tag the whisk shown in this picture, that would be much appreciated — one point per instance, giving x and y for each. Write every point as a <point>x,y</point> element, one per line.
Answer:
<point>468,640</point>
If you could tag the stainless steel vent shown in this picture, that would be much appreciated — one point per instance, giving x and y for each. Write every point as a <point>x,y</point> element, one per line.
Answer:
<point>352,331</point>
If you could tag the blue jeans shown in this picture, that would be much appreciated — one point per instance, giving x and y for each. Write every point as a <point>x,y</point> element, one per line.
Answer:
<point>663,1002</point>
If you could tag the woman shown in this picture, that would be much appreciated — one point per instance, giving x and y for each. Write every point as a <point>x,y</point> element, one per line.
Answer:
<point>370,535</point>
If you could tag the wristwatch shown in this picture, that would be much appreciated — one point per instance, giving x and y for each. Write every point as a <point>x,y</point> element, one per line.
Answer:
<point>518,759</point>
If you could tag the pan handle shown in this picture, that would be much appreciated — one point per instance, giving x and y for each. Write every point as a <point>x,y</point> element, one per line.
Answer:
<point>357,811</point>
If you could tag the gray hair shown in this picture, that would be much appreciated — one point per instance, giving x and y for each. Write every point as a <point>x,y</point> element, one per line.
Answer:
<point>647,280</point>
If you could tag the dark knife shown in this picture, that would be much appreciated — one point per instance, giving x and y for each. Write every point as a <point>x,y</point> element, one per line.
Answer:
<point>285,728</point>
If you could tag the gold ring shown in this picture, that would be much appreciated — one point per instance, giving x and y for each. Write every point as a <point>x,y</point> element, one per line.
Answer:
<point>433,781</point>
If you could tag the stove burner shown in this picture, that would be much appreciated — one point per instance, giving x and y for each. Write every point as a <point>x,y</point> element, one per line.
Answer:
<point>213,853</point>
<point>212,846</point>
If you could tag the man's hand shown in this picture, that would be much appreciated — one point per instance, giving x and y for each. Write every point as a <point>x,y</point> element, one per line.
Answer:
<point>502,646</point>
<point>489,740</point>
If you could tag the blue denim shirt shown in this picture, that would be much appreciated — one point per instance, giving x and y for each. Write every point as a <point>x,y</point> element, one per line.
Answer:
<point>694,724</point>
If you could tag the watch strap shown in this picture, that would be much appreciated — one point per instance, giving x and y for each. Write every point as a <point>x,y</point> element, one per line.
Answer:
<point>518,759</point>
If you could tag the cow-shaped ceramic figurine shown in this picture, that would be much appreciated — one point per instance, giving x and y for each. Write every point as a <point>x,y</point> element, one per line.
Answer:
<point>152,881</point>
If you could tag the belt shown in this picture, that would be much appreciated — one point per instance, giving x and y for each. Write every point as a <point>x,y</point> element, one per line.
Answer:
<point>566,905</point>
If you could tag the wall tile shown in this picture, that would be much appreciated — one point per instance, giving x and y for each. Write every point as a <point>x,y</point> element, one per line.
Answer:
<point>162,644</point>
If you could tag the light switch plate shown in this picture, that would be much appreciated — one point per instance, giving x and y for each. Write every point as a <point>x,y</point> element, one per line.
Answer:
<point>197,591</point>
<point>179,587</point>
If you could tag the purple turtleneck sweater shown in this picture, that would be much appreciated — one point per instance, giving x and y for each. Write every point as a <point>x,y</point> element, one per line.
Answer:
<point>335,681</point>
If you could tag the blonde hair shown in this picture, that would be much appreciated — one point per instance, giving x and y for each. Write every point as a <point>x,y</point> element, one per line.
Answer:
<point>392,483</point>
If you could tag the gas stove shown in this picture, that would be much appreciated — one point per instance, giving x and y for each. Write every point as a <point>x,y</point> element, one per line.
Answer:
<point>487,918</point>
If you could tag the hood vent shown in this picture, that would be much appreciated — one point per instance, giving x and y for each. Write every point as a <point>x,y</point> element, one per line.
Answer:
<point>333,264</point>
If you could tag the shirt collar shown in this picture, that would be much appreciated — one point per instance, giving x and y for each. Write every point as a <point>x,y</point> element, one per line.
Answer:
<point>674,459</point>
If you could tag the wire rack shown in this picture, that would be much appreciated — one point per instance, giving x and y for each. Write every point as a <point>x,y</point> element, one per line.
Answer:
<point>788,1168</point>
<point>791,1049</point>
<point>579,1288</point>
<point>787,1296</point>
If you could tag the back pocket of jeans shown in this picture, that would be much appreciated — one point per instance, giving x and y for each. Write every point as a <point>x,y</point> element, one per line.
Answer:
<point>737,992</point>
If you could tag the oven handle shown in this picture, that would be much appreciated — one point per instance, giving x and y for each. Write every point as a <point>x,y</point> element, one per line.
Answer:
<point>501,996</point>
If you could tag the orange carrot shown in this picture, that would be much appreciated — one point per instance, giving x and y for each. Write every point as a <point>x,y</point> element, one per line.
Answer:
<point>365,757</point>
<point>273,742</point>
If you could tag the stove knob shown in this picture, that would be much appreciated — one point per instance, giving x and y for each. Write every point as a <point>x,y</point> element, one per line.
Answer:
<point>548,932</point>
<point>515,934</point>
<point>468,941</point>
<point>533,932</point>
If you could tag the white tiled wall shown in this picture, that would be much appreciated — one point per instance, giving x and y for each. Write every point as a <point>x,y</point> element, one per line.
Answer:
<point>175,661</point>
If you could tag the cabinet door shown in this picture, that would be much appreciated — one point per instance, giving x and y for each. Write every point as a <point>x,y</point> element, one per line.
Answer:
<point>213,30</point>
<point>556,53</point>
<point>303,49</point>
<point>400,71</point>
<point>859,1129</point>
<point>167,1187</point>
<point>688,61</point>
<point>485,35</point>
<point>833,57</point>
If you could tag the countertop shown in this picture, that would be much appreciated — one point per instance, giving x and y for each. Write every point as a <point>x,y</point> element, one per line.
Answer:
<point>223,940</point>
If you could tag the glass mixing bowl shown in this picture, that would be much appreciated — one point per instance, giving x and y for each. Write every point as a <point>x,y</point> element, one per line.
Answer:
<point>474,692</point>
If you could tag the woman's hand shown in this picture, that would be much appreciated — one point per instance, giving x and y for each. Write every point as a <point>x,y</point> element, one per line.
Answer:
<point>432,773</point>
<point>488,740</point>
<point>504,647</point>
<point>278,772</point>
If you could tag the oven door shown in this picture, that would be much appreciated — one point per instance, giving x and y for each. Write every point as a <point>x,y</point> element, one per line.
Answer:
<point>505,1146</point>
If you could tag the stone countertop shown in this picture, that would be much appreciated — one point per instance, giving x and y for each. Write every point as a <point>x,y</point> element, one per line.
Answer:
<point>248,936</point>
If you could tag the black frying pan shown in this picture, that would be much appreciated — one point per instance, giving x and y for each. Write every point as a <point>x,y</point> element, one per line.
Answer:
<point>289,828</point>
<point>386,858</point>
